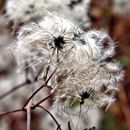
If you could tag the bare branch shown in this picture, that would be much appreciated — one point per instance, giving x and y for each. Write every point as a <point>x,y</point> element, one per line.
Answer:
<point>29,114</point>
<point>13,111</point>
<point>41,101</point>
<point>69,126</point>
<point>12,90</point>
<point>56,122</point>
<point>44,85</point>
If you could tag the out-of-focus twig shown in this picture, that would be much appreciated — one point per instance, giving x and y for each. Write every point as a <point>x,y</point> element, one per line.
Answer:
<point>44,85</point>
<point>24,108</point>
<point>29,114</point>
<point>69,127</point>
<point>13,90</point>
<point>58,125</point>
<point>41,101</point>
<point>13,111</point>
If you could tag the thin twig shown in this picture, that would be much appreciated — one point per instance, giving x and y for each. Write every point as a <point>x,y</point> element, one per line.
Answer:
<point>16,88</point>
<point>69,126</point>
<point>25,108</point>
<point>28,105</point>
<point>13,111</point>
<point>45,84</point>
<point>47,70</point>
<point>29,114</point>
<point>12,90</point>
<point>56,122</point>
<point>41,101</point>
<point>79,117</point>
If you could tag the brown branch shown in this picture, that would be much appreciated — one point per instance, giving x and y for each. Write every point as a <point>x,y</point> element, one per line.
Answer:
<point>56,122</point>
<point>12,90</point>
<point>41,101</point>
<point>15,88</point>
<point>33,95</point>
<point>69,126</point>
<point>44,85</point>
<point>25,109</point>
<point>27,106</point>
<point>29,114</point>
<point>13,111</point>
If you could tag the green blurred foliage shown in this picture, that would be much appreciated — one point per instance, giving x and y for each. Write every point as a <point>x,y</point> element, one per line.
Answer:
<point>124,60</point>
<point>109,122</point>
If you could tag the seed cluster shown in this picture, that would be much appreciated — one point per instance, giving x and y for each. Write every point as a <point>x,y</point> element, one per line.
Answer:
<point>83,60</point>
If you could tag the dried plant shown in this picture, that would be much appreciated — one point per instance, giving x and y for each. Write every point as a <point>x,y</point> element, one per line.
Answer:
<point>76,66</point>
<point>83,61</point>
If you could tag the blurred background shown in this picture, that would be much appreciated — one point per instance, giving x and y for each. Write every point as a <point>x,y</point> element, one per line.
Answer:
<point>112,16</point>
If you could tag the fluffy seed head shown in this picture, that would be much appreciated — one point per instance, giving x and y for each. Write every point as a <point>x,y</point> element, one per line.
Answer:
<point>102,45</point>
<point>80,60</point>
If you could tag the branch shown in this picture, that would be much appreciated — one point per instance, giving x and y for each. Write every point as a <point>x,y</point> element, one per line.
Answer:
<point>12,90</point>
<point>13,111</point>
<point>56,122</point>
<point>44,85</point>
<point>15,88</point>
<point>25,109</point>
<point>69,126</point>
<point>29,114</point>
<point>41,101</point>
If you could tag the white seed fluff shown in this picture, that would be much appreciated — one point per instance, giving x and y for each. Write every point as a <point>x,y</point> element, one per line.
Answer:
<point>82,60</point>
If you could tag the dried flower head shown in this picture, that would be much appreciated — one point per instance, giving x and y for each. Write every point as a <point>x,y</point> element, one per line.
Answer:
<point>81,60</point>
<point>21,11</point>
<point>51,40</point>
<point>92,85</point>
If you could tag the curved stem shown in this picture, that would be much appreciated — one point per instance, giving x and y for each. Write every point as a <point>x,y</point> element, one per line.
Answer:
<point>56,122</point>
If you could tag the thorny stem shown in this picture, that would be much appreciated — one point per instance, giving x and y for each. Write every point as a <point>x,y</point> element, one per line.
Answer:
<point>56,122</point>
